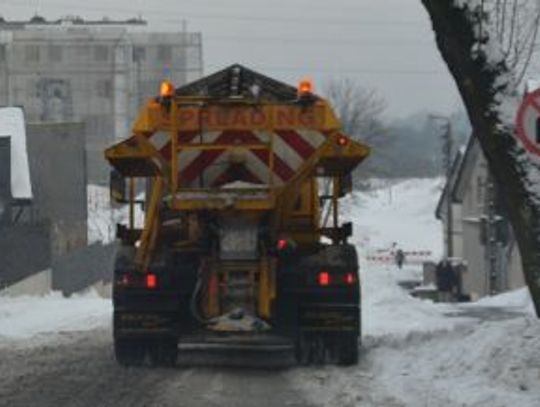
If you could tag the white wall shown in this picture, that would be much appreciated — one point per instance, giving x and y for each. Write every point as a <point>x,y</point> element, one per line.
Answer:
<point>37,284</point>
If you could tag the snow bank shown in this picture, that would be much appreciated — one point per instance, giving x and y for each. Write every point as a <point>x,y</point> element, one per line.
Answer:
<point>24,317</point>
<point>494,364</point>
<point>12,125</point>
<point>518,300</point>
<point>389,311</point>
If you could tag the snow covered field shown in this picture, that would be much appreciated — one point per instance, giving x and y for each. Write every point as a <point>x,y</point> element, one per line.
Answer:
<point>415,352</point>
<point>398,212</point>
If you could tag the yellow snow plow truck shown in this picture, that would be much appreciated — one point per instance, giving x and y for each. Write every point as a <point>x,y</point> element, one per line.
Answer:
<point>242,247</point>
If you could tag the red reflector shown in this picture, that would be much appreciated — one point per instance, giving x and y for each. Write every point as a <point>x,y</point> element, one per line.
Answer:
<point>151,281</point>
<point>342,141</point>
<point>324,278</point>
<point>282,244</point>
<point>350,278</point>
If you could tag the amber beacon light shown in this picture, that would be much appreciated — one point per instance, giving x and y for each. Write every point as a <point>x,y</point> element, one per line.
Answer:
<point>305,87</point>
<point>166,89</point>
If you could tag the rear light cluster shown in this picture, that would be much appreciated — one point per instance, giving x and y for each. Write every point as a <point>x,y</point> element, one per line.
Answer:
<point>151,280</point>
<point>325,279</point>
<point>138,280</point>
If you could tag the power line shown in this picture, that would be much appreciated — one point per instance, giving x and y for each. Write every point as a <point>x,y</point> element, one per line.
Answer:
<point>295,20</point>
<point>315,41</point>
<point>223,16</point>
<point>340,71</point>
<point>308,5</point>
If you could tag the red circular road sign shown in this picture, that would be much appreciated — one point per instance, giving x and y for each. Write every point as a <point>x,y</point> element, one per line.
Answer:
<point>528,123</point>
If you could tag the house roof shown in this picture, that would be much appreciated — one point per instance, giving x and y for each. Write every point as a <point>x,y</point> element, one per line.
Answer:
<point>461,173</point>
<point>245,83</point>
<point>12,125</point>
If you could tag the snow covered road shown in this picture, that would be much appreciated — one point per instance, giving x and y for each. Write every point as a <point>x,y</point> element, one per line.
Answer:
<point>483,354</point>
<point>80,371</point>
<point>58,352</point>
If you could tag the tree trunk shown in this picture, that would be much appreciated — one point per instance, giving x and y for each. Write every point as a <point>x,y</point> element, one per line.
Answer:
<point>475,78</point>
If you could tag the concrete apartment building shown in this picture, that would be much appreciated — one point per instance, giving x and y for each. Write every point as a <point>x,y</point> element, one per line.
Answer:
<point>94,72</point>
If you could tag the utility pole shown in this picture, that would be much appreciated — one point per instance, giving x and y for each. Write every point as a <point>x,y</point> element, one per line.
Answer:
<point>492,244</point>
<point>447,162</point>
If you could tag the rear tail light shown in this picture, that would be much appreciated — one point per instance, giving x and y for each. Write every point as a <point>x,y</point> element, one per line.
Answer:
<point>151,281</point>
<point>282,244</point>
<point>138,280</point>
<point>324,278</point>
<point>350,278</point>
<point>337,279</point>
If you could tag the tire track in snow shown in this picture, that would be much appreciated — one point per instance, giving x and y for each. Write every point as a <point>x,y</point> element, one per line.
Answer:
<point>78,370</point>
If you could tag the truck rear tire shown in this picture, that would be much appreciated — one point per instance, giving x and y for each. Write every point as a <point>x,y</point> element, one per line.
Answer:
<point>129,352</point>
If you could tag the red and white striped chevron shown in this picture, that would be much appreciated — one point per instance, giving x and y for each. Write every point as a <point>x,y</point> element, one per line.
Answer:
<point>212,168</point>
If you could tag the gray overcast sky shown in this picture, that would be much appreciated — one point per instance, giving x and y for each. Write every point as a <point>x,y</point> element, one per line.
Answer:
<point>383,44</point>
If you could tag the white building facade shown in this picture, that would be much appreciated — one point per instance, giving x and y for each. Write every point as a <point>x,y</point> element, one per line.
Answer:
<point>482,236</point>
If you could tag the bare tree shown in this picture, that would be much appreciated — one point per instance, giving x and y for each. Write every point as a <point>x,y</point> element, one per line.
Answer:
<point>360,109</point>
<point>515,24</point>
<point>480,51</point>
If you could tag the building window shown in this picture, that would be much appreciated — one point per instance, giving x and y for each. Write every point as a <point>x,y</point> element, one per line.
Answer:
<point>101,53</point>
<point>2,53</point>
<point>165,53</point>
<point>104,88</point>
<point>55,53</point>
<point>139,54</point>
<point>32,53</point>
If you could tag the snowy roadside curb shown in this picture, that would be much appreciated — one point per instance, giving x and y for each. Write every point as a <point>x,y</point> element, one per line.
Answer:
<point>488,364</point>
<point>516,300</point>
<point>26,317</point>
